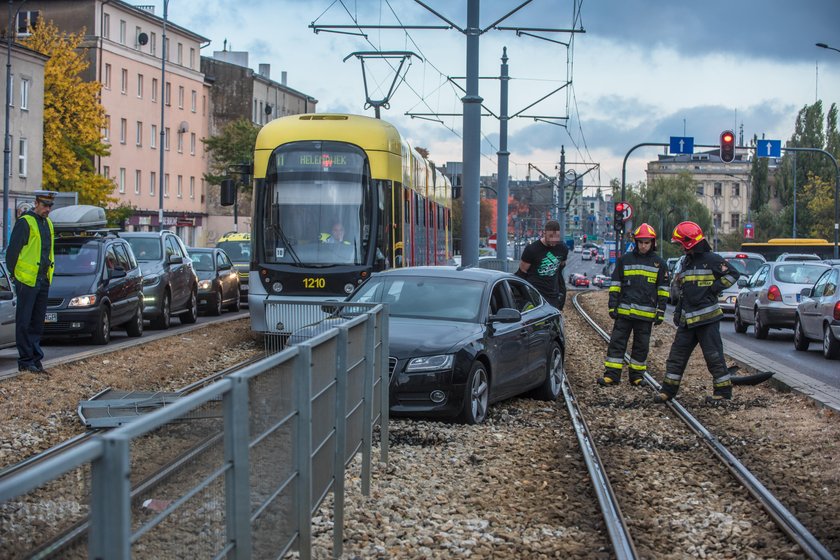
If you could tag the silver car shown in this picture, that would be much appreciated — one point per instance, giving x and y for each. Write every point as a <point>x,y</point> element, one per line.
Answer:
<point>746,264</point>
<point>8,302</point>
<point>818,315</point>
<point>769,298</point>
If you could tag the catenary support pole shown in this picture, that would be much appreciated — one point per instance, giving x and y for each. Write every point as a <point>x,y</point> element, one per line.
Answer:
<point>504,154</point>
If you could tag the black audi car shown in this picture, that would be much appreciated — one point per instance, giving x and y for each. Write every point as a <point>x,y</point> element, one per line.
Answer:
<point>461,339</point>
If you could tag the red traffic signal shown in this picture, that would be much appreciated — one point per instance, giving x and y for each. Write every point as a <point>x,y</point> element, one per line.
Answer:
<point>727,146</point>
<point>618,216</point>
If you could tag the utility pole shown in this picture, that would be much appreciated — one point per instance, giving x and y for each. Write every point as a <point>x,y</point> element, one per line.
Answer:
<point>560,198</point>
<point>504,154</point>
<point>471,148</point>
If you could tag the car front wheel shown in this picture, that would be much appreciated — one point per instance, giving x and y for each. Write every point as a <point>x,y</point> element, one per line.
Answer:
<point>162,321</point>
<point>102,334</point>
<point>831,346</point>
<point>800,341</point>
<point>550,389</point>
<point>477,395</point>
<point>217,308</point>
<point>760,328</point>
<point>191,315</point>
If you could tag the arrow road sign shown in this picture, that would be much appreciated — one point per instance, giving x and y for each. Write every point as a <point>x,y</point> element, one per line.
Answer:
<point>769,148</point>
<point>682,145</point>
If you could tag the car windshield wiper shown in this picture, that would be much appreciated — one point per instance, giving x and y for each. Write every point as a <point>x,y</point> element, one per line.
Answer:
<point>279,232</point>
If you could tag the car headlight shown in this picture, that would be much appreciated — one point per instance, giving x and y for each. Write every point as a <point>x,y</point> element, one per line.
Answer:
<point>151,280</point>
<point>82,301</point>
<point>204,284</point>
<point>430,363</point>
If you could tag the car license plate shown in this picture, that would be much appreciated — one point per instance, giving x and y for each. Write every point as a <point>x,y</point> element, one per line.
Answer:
<point>51,318</point>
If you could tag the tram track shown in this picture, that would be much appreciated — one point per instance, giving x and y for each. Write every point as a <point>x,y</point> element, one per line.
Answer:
<point>771,505</point>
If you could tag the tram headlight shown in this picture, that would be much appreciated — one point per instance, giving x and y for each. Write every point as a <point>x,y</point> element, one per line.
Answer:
<point>277,287</point>
<point>348,288</point>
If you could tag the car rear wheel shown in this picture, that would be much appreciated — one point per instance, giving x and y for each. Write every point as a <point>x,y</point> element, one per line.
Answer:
<point>550,389</point>
<point>740,325</point>
<point>191,315</point>
<point>477,395</point>
<point>760,329</point>
<point>800,341</point>
<point>102,334</point>
<point>162,321</point>
<point>135,326</point>
<point>831,346</point>
<point>217,308</point>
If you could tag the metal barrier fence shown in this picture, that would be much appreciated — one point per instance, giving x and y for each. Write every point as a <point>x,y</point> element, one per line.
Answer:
<point>256,455</point>
<point>499,264</point>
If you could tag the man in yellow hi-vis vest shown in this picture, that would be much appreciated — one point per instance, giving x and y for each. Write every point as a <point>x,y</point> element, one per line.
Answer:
<point>30,259</point>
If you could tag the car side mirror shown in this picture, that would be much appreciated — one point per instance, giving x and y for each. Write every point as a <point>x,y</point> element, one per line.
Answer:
<point>117,273</point>
<point>175,259</point>
<point>506,315</point>
<point>6,295</point>
<point>743,282</point>
<point>807,292</point>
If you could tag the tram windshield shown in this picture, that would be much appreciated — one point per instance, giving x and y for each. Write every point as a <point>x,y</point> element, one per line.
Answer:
<point>318,205</point>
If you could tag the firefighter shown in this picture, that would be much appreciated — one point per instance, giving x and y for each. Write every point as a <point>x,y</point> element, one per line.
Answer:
<point>697,316</point>
<point>638,295</point>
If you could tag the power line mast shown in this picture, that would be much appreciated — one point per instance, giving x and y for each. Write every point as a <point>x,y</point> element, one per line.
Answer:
<point>399,75</point>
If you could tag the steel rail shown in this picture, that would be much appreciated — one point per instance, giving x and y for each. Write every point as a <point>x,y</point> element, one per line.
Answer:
<point>783,518</point>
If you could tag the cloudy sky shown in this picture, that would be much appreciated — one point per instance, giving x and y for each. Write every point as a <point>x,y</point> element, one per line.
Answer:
<point>641,72</point>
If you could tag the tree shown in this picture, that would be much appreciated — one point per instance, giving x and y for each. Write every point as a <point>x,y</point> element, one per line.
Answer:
<point>233,146</point>
<point>73,118</point>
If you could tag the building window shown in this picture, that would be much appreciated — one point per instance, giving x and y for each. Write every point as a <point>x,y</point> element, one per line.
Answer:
<point>106,133</point>
<point>166,185</point>
<point>698,189</point>
<point>152,183</point>
<point>22,151</point>
<point>123,130</point>
<point>192,143</point>
<point>122,180</point>
<point>180,97</point>
<point>180,54</point>
<point>140,86</point>
<point>138,181</point>
<point>718,189</point>
<point>106,79</point>
<point>180,186</point>
<point>203,105</point>
<point>139,135</point>
<point>153,137</point>
<point>24,94</point>
<point>735,221</point>
<point>122,32</point>
<point>167,94</point>
<point>154,90</point>
<point>106,171</point>
<point>192,58</point>
<point>193,99</point>
<point>192,187</point>
<point>106,26</point>
<point>736,189</point>
<point>166,139</point>
<point>124,81</point>
<point>153,43</point>
<point>180,142</point>
<point>25,21</point>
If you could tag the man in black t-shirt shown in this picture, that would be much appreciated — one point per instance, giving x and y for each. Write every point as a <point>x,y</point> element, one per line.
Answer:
<point>542,265</point>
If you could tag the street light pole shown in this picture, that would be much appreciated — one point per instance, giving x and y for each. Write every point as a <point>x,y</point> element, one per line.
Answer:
<point>162,146</point>
<point>824,46</point>
<point>7,150</point>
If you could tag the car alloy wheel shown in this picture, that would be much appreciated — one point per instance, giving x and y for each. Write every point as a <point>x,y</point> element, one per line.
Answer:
<point>831,346</point>
<point>135,326</point>
<point>555,372</point>
<point>800,342</point>
<point>477,395</point>
<point>759,328</point>
<point>102,334</point>
<point>163,320</point>
<point>740,325</point>
<point>191,316</point>
<point>217,309</point>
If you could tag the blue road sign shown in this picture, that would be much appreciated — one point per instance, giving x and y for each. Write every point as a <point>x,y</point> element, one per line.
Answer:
<point>577,219</point>
<point>630,247</point>
<point>682,145</point>
<point>768,148</point>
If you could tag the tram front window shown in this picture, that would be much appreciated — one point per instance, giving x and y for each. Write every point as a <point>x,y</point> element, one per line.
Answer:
<point>316,207</point>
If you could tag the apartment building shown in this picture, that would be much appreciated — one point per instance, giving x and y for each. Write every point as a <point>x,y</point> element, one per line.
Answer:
<point>149,111</point>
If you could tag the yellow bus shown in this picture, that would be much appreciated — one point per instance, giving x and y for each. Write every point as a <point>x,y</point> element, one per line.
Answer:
<point>775,247</point>
<point>337,197</point>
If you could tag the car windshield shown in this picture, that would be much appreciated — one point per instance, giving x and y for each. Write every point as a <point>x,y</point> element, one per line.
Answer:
<point>746,265</point>
<point>145,248</point>
<point>202,261</point>
<point>451,299</point>
<point>75,260</point>
<point>237,251</point>
<point>798,273</point>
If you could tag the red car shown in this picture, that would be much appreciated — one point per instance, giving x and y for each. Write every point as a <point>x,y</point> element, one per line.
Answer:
<point>580,280</point>
<point>600,259</point>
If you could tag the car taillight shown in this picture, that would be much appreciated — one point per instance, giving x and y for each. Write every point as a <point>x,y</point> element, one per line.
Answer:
<point>837,311</point>
<point>774,294</point>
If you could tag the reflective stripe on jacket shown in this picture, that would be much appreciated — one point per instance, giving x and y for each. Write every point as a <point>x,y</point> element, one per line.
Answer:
<point>639,286</point>
<point>29,260</point>
<point>704,276</point>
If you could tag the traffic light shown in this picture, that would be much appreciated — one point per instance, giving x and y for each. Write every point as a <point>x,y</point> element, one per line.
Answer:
<point>727,146</point>
<point>618,216</point>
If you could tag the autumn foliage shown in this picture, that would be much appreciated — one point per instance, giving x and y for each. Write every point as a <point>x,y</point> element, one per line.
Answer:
<point>73,118</point>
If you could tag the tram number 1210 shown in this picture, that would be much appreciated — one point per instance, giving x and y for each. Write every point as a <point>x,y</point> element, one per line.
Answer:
<point>314,283</point>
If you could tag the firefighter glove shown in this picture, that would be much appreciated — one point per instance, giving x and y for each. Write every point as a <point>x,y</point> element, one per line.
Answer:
<point>676,319</point>
<point>659,318</point>
<point>613,314</point>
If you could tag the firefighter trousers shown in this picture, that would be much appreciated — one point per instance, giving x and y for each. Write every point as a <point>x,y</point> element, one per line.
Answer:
<point>622,329</point>
<point>686,339</point>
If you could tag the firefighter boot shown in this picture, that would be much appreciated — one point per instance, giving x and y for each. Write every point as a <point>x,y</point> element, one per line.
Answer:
<point>666,393</point>
<point>609,380</point>
<point>636,379</point>
<point>720,396</point>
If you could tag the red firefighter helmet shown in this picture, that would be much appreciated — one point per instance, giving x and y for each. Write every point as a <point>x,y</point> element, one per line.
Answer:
<point>644,231</point>
<point>687,234</point>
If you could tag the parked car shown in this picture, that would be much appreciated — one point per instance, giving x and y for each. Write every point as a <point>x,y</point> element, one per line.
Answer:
<point>586,255</point>
<point>600,259</point>
<point>218,281</point>
<point>580,281</point>
<point>8,303</point>
<point>170,285</point>
<point>97,284</point>
<point>818,315</point>
<point>769,298</point>
<point>798,257</point>
<point>487,336</point>
<point>746,264</point>
<point>578,249</point>
<point>237,246</point>
<point>601,280</point>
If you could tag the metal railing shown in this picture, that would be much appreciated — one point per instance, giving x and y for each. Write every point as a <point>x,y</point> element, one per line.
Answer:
<point>258,452</point>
